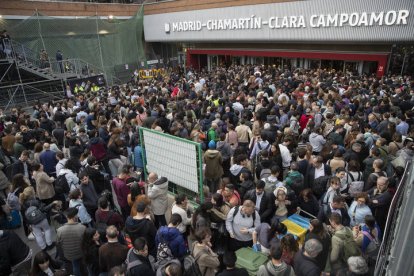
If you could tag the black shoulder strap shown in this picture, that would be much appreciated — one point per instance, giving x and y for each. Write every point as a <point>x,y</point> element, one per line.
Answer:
<point>109,217</point>
<point>236,210</point>
<point>254,217</point>
<point>258,144</point>
<point>352,177</point>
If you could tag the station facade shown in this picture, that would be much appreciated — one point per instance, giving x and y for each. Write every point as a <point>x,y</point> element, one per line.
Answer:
<point>357,36</point>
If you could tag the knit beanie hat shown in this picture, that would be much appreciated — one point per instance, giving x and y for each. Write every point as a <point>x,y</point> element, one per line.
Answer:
<point>212,144</point>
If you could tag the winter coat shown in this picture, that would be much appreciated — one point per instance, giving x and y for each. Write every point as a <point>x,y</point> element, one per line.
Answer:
<point>174,239</point>
<point>207,260</point>
<point>157,193</point>
<point>44,185</point>
<point>275,270</point>
<point>337,262</point>
<point>145,228</point>
<point>213,161</point>
<point>12,248</point>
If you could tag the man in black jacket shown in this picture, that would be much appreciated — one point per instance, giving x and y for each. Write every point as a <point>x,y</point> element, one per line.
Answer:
<point>264,201</point>
<point>15,255</point>
<point>138,262</point>
<point>338,206</point>
<point>317,170</point>
<point>22,165</point>
<point>304,262</point>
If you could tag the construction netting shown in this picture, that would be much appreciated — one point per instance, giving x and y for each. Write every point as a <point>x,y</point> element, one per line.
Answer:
<point>104,43</point>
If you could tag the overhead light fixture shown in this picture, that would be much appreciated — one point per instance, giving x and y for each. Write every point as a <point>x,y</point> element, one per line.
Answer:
<point>1,16</point>
<point>110,17</point>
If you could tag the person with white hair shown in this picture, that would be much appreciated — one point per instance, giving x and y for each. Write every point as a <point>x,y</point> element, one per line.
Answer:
<point>357,266</point>
<point>305,263</point>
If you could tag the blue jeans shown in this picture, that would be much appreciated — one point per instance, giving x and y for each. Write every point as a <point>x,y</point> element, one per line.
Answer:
<point>76,267</point>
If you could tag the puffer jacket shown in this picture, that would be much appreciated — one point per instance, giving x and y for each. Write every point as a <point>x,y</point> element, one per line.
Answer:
<point>157,192</point>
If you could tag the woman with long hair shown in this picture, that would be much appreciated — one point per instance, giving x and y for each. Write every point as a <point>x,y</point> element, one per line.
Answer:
<point>44,265</point>
<point>289,247</point>
<point>201,216</point>
<point>136,197</point>
<point>308,203</point>
<point>35,216</point>
<point>45,190</point>
<point>317,231</point>
<point>90,248</point>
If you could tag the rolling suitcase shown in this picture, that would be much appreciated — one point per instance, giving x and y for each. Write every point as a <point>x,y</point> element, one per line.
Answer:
<point>250,260</point>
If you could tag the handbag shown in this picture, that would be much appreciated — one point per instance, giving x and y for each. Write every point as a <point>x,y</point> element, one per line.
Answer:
<point>222,230</point>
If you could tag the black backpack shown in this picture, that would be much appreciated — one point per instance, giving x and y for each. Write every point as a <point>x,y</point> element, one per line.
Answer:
<point>319,186</point>
<point>259,154</point>
<point>102,225</point>
<point>62,185</point>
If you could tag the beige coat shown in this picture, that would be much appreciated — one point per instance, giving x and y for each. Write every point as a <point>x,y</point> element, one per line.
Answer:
<point>207,260</point>
<point>44,185</point>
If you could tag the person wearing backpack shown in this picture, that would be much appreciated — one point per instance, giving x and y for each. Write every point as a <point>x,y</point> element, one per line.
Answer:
<point>276,266</point>
<point>259,147</point>
<point>368,237</point>
<point>138,261</point>
<point>35,214</point>
<point>343,244</point>
<point>240,223</point>
<point>207,260</point>
<point>294,179</point>
<point>336,206</point>
<point>272,181</point>
<point>170,237</point>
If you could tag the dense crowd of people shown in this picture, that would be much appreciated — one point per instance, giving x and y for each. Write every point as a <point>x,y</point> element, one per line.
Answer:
<point>329,145</point>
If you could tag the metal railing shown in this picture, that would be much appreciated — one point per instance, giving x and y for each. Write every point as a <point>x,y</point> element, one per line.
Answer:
<point>76,67</point>
<point>27,94</point>
<point>67,68</point>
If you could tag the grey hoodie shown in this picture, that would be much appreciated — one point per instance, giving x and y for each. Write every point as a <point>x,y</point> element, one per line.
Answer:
<point>317,141</point>
<point>275,270</point>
